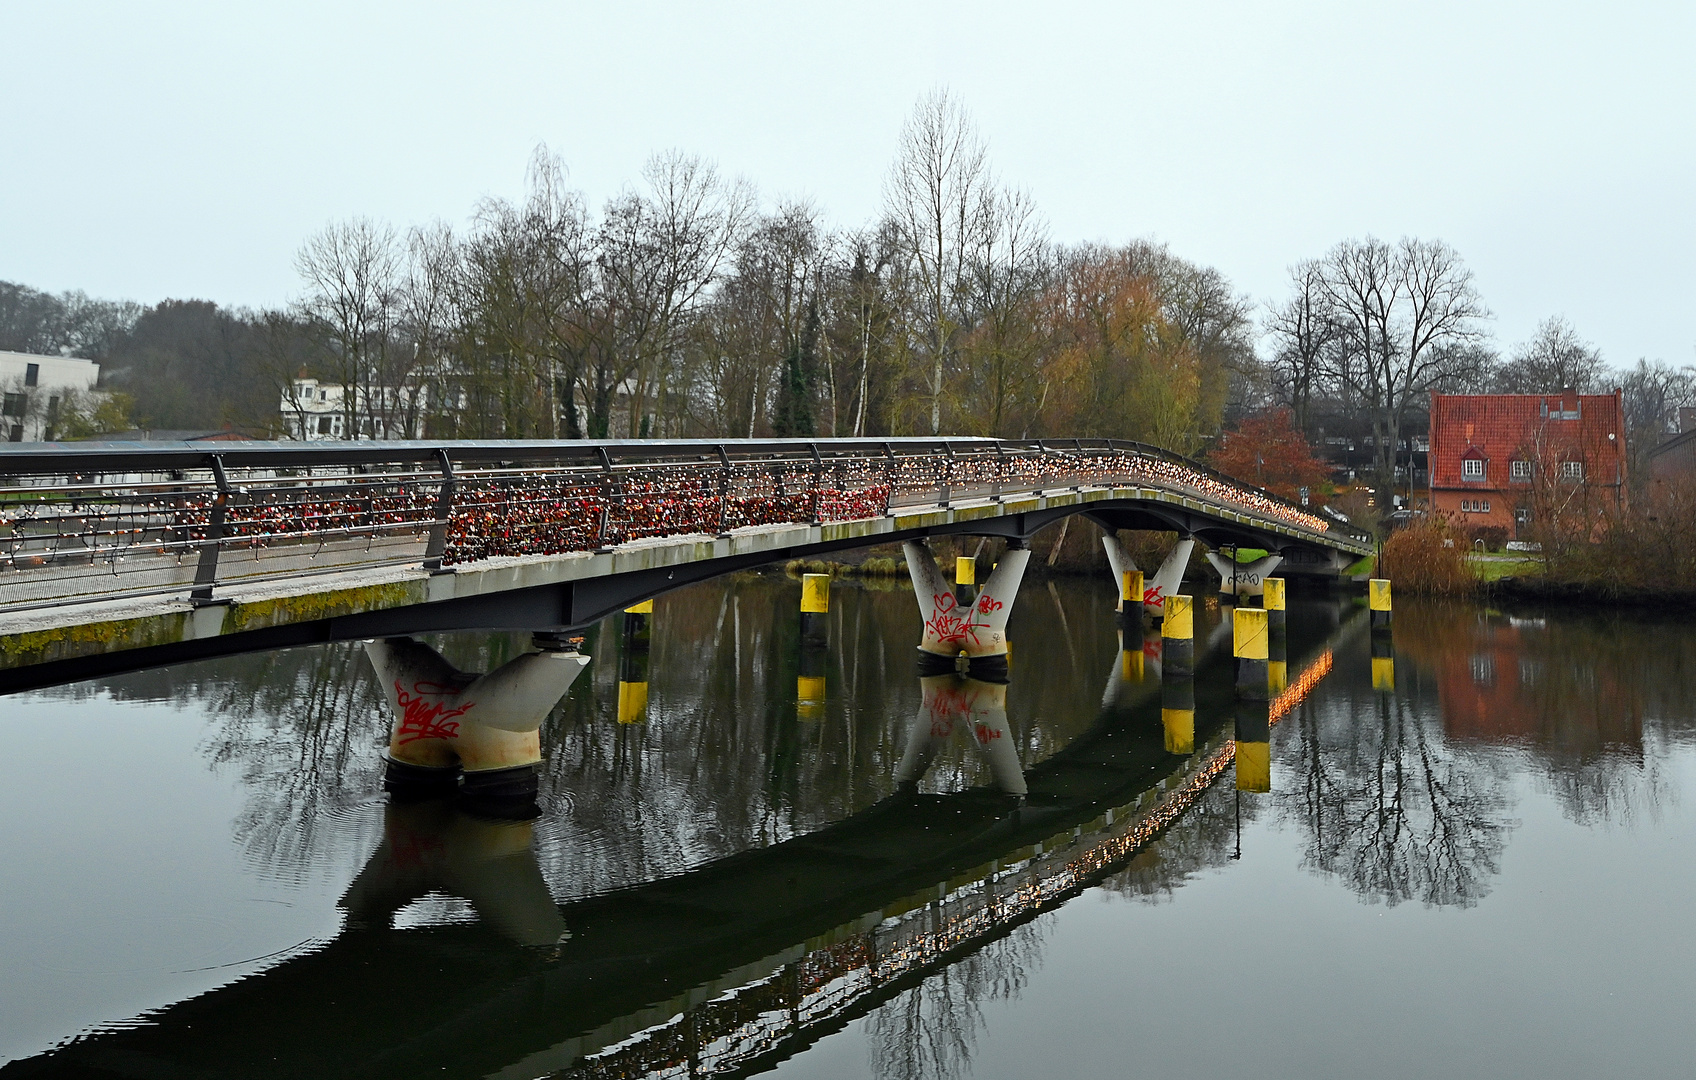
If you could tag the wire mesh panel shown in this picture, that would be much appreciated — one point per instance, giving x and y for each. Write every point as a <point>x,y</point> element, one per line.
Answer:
<point>65,538</point>
<point>524,511</point>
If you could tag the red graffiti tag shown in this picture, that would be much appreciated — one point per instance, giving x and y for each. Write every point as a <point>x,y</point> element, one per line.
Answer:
<point>1153,595</point>
<point>422,718</point>
<point>987,604</point>
<point>946,625</point>
<point>985,733</point>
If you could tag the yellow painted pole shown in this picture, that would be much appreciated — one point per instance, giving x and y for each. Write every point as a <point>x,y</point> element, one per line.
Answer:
<point>1378,599</point>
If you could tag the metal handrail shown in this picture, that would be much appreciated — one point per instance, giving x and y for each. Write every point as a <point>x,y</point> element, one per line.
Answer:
<point>147,506</point>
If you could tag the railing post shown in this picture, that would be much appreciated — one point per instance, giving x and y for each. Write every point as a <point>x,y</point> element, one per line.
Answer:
<point>723,489</point>
<point>888,480</point>
<point>601,545</point>
<point>947,473</point>
<point>206,573</point>
<point>818,479</point>
<point>438,545</point>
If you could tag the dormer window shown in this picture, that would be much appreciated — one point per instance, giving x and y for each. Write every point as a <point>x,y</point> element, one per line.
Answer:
<point>1572,470</point>
<point>1519,470</point>
<point>1472,468</point>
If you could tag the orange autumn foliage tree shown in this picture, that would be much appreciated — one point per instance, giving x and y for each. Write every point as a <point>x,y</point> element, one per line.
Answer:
<point>1267,449</point>
<point>1116,366</point>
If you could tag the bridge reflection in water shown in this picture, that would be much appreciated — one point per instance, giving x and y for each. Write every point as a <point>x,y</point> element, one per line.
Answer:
<point>455,956</point>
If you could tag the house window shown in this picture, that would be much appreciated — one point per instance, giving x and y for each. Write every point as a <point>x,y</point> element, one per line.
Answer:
<point>14,405</point>
<point>17,433</point>
<point>1572,470</point>
<point>1472,469</point>
<point>1519,470</point>
<point>32,374</point>
<point>323,425</point>
<point>1484,506</point>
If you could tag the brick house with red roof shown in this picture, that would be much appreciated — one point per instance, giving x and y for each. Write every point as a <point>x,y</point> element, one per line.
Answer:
<point>1501,460</point>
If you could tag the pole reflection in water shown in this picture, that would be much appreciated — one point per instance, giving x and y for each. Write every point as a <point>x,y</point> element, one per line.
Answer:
<point>1177,684</point>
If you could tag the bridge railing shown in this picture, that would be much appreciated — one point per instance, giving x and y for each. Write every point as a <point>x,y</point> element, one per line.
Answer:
<point>98,522</point>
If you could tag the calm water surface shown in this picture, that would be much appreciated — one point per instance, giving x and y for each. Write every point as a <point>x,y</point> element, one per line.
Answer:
<point>1487,872</point>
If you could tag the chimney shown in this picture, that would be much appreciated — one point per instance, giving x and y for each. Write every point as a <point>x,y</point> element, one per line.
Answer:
<point>1569,400</point>
<point>1686,419</point>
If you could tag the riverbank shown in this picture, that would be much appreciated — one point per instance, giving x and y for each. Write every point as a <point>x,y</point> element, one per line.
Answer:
<point>1547,590</point>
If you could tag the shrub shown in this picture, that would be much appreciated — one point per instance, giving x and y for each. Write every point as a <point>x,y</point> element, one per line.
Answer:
<point>880,567</point>
<point>1427,557</point>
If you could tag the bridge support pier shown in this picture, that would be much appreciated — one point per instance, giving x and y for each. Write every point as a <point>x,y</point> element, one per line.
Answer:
<point>1166,581</point>
<point>478,732</point>
<point>1242,579</point>
<point>977,632</point>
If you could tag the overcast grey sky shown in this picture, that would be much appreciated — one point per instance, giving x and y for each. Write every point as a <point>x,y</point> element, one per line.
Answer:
<point>179,150</point>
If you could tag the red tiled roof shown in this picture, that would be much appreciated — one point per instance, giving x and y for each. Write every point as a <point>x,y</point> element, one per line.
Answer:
<point>1501,428</point>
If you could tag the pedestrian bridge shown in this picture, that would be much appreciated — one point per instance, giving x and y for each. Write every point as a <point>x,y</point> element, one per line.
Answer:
<point>118,556</point>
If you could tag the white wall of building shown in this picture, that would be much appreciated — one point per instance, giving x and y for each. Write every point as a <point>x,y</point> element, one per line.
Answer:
<point>34,388</point>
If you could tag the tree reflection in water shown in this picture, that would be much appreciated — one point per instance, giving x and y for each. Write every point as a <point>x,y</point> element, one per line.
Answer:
<point>1389,807</point>
<point>930,1029</point>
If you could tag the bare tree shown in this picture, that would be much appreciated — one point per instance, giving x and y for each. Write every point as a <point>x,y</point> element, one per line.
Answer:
<point>1007,273</point>
<point>525,273</point>
<point>1408,319</point>
<point>352,274</point>
<point>1303,339</point>
<point>938,197</point>
<point>1555,358</point>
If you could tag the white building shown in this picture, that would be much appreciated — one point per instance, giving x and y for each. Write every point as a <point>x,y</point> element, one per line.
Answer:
<point>315,411</point>
<point>35,387</point>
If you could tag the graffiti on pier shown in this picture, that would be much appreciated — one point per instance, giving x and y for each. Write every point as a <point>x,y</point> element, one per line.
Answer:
<point>424,715</point>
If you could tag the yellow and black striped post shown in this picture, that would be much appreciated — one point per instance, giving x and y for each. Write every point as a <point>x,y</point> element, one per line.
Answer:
<point>965,576</point>
<point>815,606</point>
<point>633,663</point>
<point>809,683</point>
<point>1277,666</point>
<point>1273,600</point>
<point>1177,673</point>
<point>1250,646</point>
<point>1177,635</point>
<point>1378,599</point>
<point>1131,590</point>
<point>1383,653</point>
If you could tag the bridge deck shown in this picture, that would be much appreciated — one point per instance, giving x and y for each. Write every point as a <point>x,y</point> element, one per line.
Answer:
<point>112,559</point>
